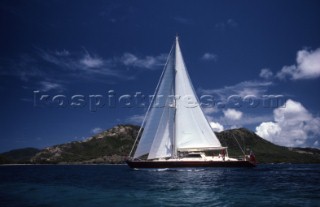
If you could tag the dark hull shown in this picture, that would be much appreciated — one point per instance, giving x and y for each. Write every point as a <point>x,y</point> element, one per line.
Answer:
<point>188,164</point>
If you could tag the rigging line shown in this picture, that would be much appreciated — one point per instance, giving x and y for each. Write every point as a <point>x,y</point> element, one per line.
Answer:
<point>238,144</point>
<point>152,100</point>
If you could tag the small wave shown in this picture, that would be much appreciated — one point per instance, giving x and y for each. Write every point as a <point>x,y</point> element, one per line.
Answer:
<point>150,169</point>
<point>169,169</point>
<point>190,170</point>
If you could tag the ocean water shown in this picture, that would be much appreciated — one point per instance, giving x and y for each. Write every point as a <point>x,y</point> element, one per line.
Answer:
<point>118,185</point>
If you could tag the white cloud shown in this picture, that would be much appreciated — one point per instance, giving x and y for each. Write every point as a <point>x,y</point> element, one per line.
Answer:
<point>91,62</point>
<point>209,56</point>
<point>232,114</point>
<point>148,62</point>
<point>245,88</point>
<point>250,91</point>
<point>84,66</point>
<point>210,110</point>
<point>246,119</point>
<point>269,131</point>
<point>63,52</point>
<point>307,66</point>
<point>66,66</point>
<point>266,73</point>
<point>96,130</point>
<point>135,119</point>
<point>217,127</point>
<point>293,125</point>
<point>48,86</point>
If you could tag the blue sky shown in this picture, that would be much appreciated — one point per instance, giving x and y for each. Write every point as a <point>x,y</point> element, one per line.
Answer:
<point>243,48</point>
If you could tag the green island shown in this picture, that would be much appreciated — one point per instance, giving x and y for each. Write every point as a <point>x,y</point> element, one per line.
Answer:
<point>112,146</point>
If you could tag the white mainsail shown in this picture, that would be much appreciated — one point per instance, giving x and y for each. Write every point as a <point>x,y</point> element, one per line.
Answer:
<point>192,128</point>
<point>175,120</point>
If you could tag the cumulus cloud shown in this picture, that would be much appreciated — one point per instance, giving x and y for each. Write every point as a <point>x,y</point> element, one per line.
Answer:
<point>307,66</point>
<point>209,57</point>
<point>266,73</point>
<point>217,127</point>
<point>293,125</point>
<point>232,114</point>
<point>246,119</point>
<point>269,131</point>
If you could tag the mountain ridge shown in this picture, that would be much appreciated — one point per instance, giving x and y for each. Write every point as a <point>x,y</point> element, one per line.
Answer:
<point>113,146</point>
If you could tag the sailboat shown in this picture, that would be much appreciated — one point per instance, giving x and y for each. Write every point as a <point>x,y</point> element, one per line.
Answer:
<point>175,132</point>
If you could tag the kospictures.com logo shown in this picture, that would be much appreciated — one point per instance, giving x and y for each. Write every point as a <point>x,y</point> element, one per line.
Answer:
<point>139,100</point>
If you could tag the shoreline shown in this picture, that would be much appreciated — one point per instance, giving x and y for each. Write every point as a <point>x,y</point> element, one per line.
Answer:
<point>69,164</point>
<point>59,164</point>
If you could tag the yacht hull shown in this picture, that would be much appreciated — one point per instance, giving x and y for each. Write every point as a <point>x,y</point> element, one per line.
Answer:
<point>188,164</point>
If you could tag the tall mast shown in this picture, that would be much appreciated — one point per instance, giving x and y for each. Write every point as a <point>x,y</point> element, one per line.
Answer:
<point>174,146</point>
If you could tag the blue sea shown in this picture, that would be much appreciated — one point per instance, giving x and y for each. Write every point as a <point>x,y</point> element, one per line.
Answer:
<point>118,185</point>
